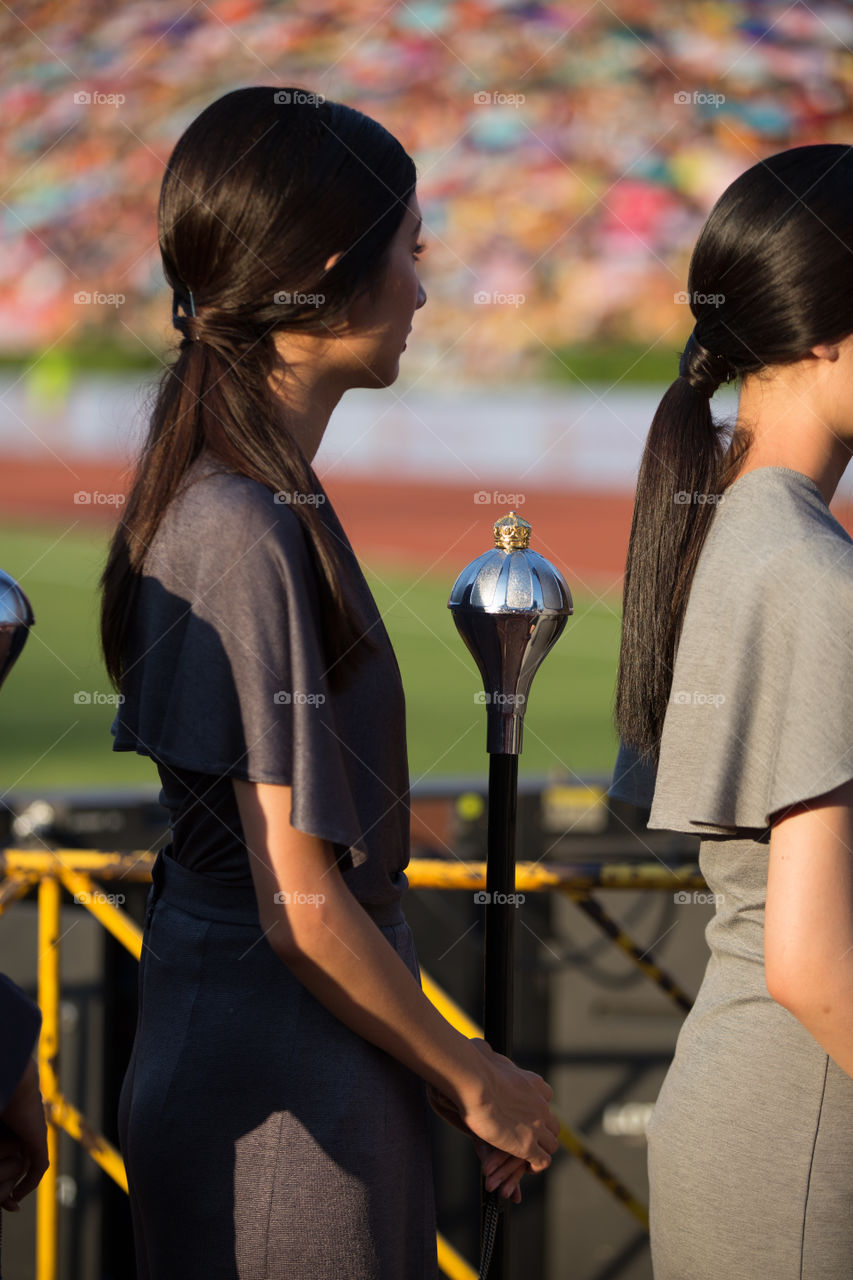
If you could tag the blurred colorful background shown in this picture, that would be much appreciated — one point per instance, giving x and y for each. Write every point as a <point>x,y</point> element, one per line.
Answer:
<point>568,152</point>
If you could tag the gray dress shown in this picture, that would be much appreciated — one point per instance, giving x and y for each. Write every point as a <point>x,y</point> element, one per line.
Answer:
<point>262,1137</point>
<point>751,1139</point>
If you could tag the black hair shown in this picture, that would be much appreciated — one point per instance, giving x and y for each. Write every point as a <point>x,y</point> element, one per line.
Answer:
<point>261,190</point>
<point>771,276</point>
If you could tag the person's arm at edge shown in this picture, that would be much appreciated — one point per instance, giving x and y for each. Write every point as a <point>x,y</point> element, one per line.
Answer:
<point>21,1021</point>
<point>21,1107</point>
<point>808,926</point>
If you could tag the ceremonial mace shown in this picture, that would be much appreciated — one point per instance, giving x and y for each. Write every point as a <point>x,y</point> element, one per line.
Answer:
<point>510,606</point>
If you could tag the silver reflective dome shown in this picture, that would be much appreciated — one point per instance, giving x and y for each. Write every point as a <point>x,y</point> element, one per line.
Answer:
<point>510,606</point>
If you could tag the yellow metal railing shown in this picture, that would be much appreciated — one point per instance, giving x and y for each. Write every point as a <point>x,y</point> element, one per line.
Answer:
<point>73,868</point>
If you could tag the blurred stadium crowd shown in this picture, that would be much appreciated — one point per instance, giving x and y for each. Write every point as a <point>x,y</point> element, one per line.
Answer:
<point>568,152</point>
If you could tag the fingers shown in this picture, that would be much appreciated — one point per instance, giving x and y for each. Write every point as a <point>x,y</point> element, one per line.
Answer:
<point>11,1169</point>
<point>548,1144</point>
<point>36,1165</point>
<point>549,1138</point>
<point>506,1180</point>
<point>510,1169</point>
<point>541,1086</point>
<point>511,1189</point>
<point>491,1158</point>
<point>30,1182</point>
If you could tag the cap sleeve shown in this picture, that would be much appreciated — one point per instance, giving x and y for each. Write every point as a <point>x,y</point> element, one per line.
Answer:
<point>225,672</point>
<point>761,713</point>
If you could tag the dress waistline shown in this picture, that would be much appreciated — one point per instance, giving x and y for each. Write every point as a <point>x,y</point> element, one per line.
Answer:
<point>210,899</point>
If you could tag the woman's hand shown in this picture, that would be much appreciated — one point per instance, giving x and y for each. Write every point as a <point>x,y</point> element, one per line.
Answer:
<point>502,1172</point>
<point>12,1169</point>
<point>510,1111</point>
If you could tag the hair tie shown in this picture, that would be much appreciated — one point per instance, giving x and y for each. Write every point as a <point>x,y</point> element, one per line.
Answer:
<point>182,297</point>
<point>703,370</point>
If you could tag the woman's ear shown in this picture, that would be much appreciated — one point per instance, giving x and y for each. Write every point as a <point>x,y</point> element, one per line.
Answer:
<point>826,351</point>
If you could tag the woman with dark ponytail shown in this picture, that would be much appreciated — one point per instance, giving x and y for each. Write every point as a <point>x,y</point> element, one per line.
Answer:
<point>735,707</point>
<point>272,1118</point>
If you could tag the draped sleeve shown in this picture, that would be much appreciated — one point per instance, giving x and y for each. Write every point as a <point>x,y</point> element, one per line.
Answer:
<point>226,673</point>
<point>760,714</point>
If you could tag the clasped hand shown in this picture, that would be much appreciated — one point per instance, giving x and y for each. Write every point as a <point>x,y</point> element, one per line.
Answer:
<point>502,1172</point>
<point>512,1128</point>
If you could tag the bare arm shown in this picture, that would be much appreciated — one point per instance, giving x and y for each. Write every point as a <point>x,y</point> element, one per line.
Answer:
<point>808,927</point>
<point>334,948</point>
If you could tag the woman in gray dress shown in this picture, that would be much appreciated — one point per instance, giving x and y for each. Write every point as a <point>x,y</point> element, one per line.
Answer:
<point>735,707</point>
<point>272,1117</point>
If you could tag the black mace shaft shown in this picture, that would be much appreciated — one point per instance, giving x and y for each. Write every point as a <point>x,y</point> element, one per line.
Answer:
<point>500,919</point>
<point>499,949</point>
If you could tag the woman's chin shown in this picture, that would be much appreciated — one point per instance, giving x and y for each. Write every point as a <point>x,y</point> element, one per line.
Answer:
<point>385,374</point>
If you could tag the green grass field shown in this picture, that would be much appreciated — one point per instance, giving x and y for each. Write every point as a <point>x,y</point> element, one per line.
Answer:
<point>49,739</point>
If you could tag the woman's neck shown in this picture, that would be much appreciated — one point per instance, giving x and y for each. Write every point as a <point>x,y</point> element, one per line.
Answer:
<point>792,426</point>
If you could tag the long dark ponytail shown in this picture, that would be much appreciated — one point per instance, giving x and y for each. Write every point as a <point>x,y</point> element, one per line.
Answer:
<point>261,190</point>
<point>771,276</point>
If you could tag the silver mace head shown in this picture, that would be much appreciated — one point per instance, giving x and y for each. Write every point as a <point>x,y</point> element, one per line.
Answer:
<point>510,607</point>
<point>16,618</point>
